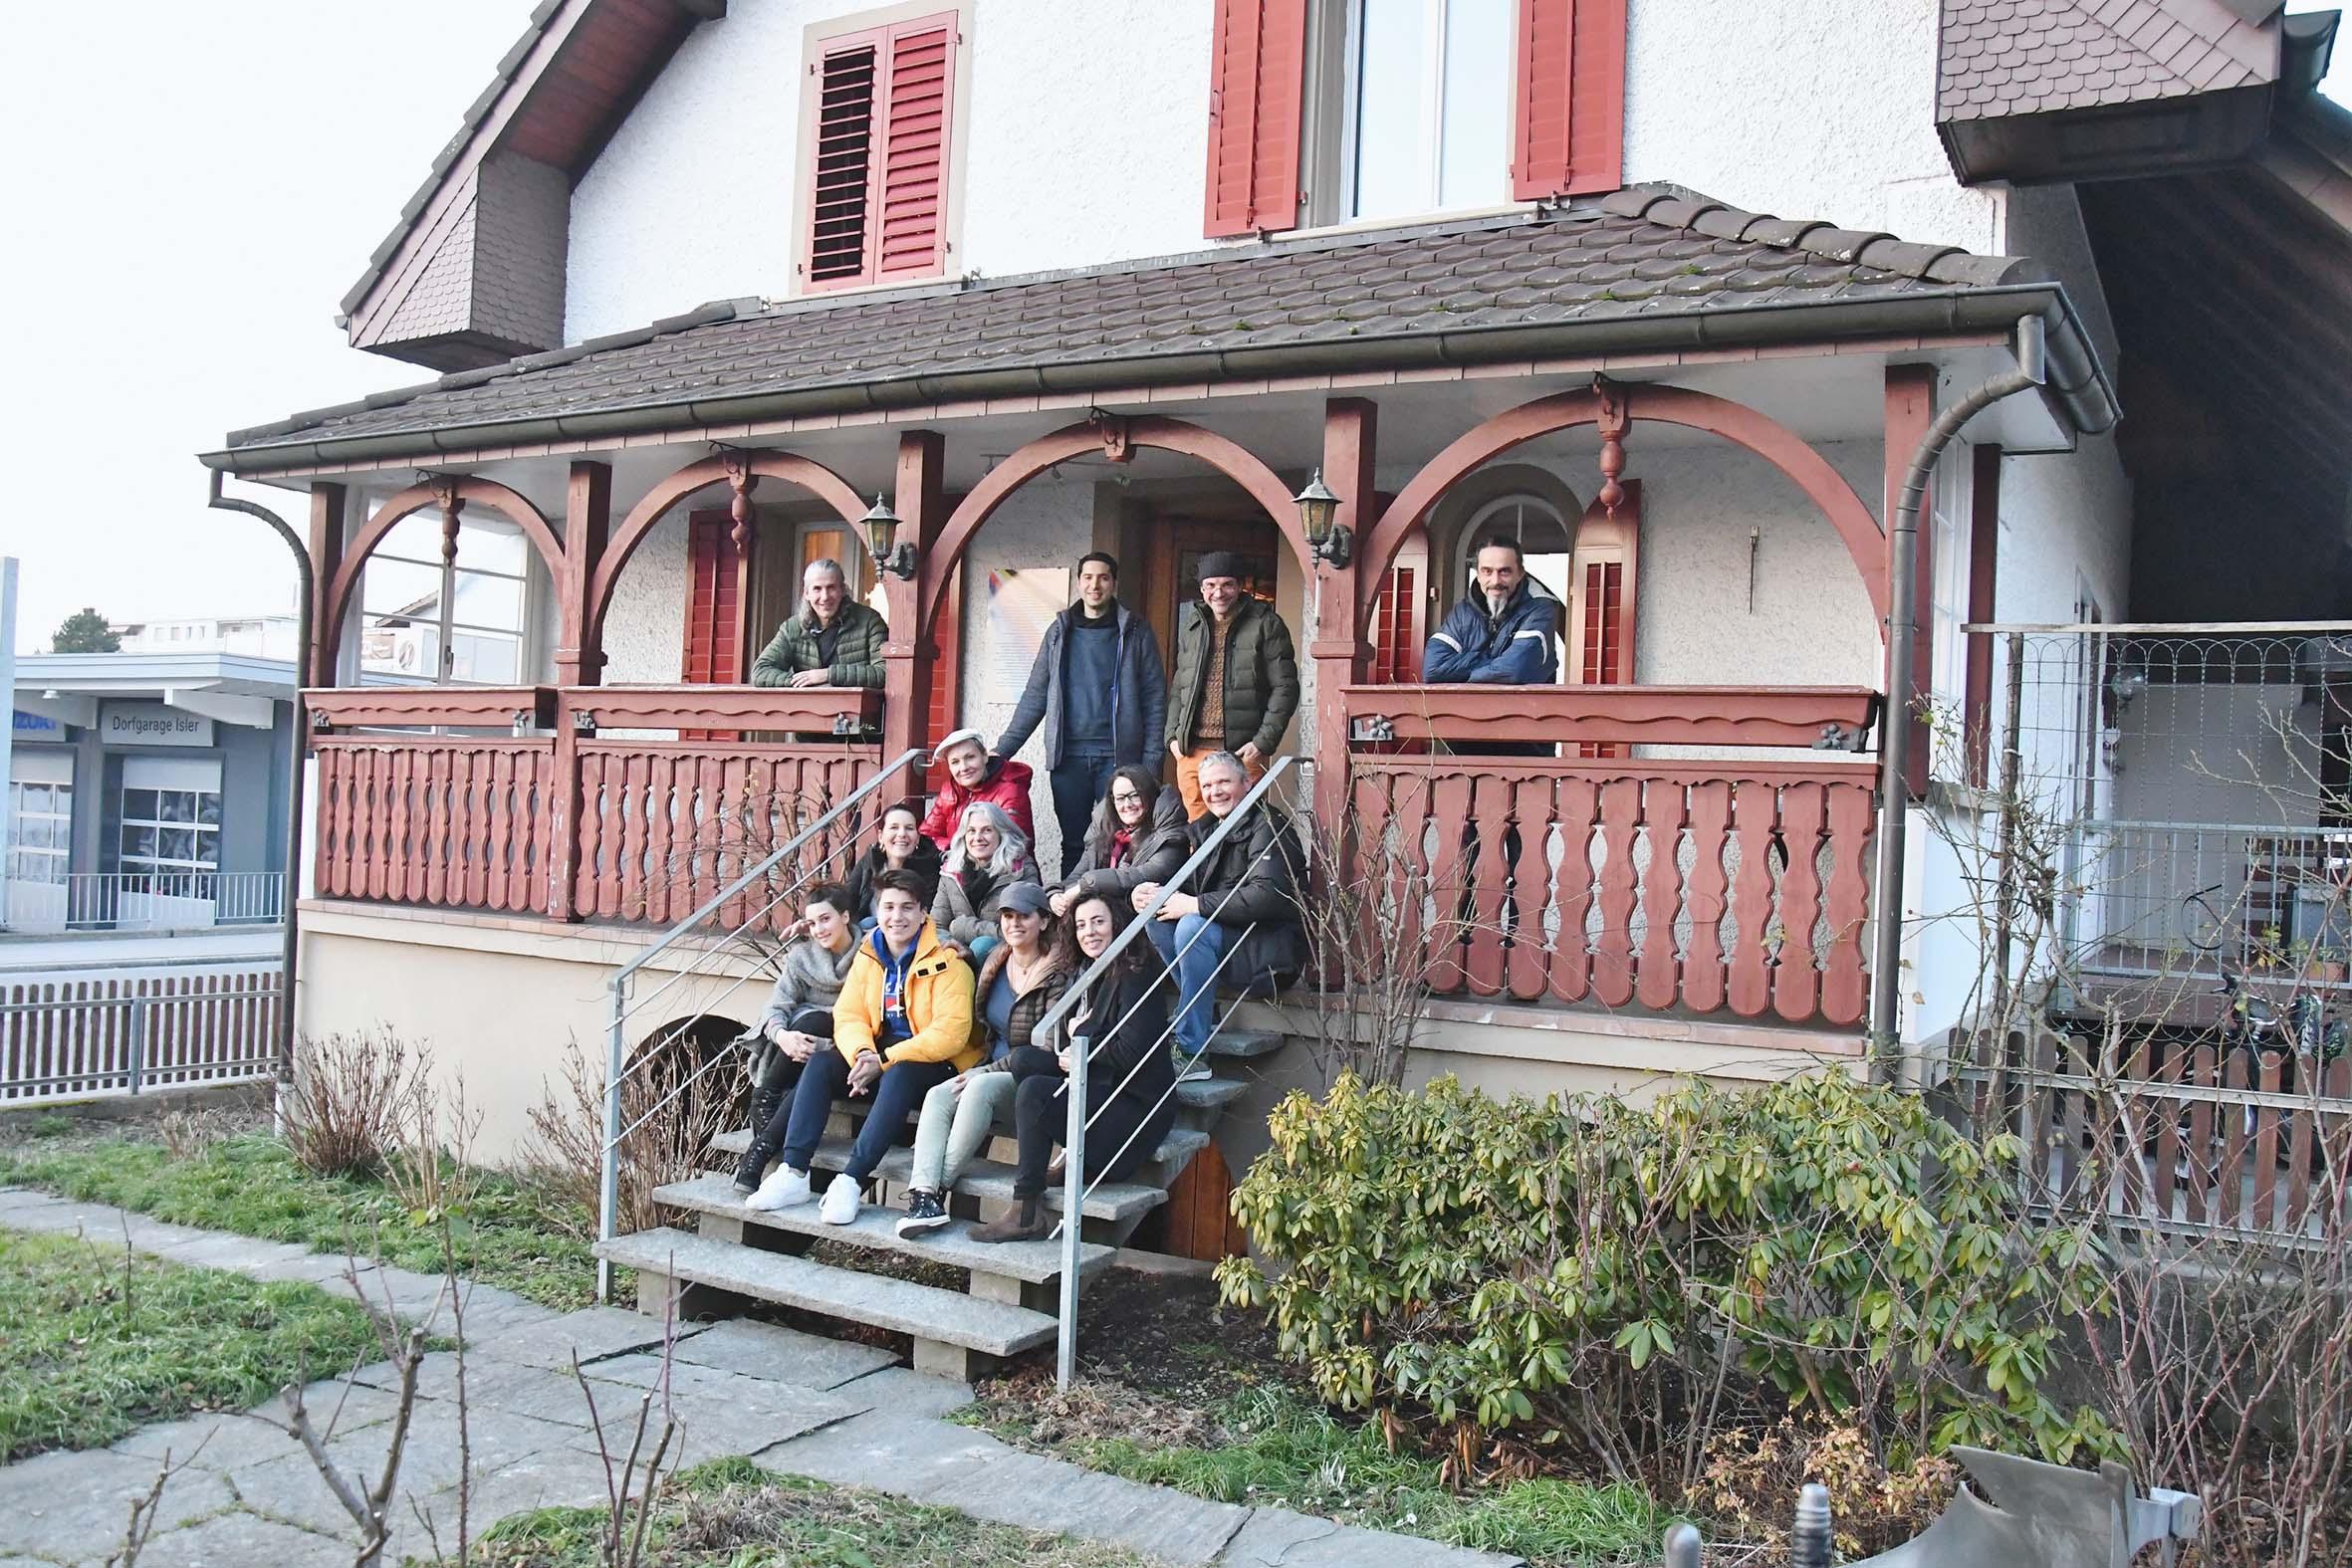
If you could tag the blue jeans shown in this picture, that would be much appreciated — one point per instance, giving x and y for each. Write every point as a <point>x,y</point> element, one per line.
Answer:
<point>895,1098</point>
<point>1202,943</point>
<point>1080,785</point>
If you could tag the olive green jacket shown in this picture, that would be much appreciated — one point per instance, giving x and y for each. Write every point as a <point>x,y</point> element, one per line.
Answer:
<point>857,656</point>
<point>1261,677</point>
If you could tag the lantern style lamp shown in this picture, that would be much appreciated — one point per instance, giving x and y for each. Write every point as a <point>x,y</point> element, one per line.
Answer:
<point>881,534</point>
<point>1319,510</point>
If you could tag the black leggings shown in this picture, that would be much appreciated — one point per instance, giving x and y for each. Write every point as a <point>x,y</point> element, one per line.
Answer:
<point>1041,1116</point>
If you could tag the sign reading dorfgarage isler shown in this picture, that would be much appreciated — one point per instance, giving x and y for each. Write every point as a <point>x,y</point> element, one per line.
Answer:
<point>150,724</point>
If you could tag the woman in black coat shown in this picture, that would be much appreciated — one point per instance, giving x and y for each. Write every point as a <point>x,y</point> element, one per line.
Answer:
<point>899,845</point>
<point>1130,1081</point>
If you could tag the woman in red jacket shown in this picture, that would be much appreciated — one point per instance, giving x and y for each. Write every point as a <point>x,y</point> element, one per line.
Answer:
<point>973,776</point>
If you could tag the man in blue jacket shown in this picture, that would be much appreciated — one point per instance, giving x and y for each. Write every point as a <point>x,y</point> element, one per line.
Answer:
<point>1101,692</point>
<point>1501,633</point>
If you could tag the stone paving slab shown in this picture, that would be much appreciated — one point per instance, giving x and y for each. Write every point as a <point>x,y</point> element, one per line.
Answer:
<point>66,1506</point>
<point>97,1223</point>
<point>908,1456</point>
<point>1278,1538</point>
<point>311,1268</point>
<point>238,1253</point>
<point>904,1392</point>
<point>290,1489</point>
<point>1039,1494</point>
<point>769,1350</point>
<point>595,1332</point>
<point>245,1540</point>
<point>14,1200</point>
<point>214,1441</point>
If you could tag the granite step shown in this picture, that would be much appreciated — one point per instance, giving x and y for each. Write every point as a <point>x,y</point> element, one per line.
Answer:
<point>1034,1262</point>
<point>1209,1095</point>
<point>929,1314</point>
<point>1246,1042</point>
<point>1113,1200</point>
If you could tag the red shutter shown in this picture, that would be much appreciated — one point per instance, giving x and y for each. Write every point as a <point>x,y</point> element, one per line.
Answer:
<point>1256,91</point>
<point>1603,585</point>
<point>1568,138</point>
<point>713,654</point>
<point>885,110</point>
<point>914,121</point>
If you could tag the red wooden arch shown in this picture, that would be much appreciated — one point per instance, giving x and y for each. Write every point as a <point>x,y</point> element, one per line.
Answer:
<point>1228,458</point>
<point>818,480</point>
<point>512,505</point>
<point>1777,445</point>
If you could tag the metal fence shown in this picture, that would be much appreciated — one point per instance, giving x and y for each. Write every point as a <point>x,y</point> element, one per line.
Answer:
<point>74,1037</point>
<point>147,901</point>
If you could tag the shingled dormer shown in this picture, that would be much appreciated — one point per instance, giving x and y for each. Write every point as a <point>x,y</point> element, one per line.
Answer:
<point>473,272</point>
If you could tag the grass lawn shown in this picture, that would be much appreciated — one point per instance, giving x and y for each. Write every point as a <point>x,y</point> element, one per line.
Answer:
<point>511,1233</point>
<point>731,1511</point>
<point>94,1345</point>
<point>1270,1448</point>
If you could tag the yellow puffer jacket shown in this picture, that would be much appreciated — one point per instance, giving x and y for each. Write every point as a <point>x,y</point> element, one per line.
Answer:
<point>939,1006</point>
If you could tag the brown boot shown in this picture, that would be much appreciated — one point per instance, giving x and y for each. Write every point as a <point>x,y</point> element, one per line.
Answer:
<point>1024,1222</point>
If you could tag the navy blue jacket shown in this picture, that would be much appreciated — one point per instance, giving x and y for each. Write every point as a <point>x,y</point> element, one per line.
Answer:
<point>1138,701</point>
<point>1514,648</point>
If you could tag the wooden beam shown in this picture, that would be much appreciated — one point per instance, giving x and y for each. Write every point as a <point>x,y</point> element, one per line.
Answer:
<point>1984,572</point>
<point>1350,442</point>
<point>1910,409</point>
<point>326,509</point>
<point>908,658</point>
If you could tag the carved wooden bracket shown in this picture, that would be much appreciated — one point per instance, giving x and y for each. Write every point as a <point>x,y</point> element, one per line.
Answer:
<point>1114,430</point>
<point>1616,419</point>
<point>451,503</point>
<point>740,480</point>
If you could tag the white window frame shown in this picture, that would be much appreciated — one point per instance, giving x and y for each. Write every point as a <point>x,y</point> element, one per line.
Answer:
<point>173,871</point>
<point>1349,68</point>
<point>60,812</point>
<point>446,626</point>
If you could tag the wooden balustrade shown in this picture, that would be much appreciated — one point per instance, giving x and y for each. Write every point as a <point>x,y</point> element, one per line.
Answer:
<point>1702,886</point>
<point>1820,717</point>
<point>452,821</point>
<point>569,825</point>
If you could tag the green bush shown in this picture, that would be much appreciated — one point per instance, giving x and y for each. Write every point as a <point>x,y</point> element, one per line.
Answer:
<point>1628,1280</point>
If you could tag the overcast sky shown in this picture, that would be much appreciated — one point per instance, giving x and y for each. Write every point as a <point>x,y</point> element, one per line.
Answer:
<point>193,184</point>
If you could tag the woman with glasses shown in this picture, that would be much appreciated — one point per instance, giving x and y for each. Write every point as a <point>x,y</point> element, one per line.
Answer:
<point>1137,837</point>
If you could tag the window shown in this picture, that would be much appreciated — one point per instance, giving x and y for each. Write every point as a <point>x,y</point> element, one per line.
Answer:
<point>1428,105</point>
<point>41,817</point>
<point>171,827</point>
<point>455,622</point>
<point>879,130</point>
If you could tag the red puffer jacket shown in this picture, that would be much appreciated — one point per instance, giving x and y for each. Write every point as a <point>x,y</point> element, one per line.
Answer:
<point>1004,785</point>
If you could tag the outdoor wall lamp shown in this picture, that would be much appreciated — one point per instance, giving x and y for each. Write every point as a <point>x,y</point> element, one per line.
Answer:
<point>1318,509</point>
<point>882,530</point>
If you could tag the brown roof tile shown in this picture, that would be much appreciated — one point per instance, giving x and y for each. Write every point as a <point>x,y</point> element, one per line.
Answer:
<point>1638,252</point>
<point>2031,57</point>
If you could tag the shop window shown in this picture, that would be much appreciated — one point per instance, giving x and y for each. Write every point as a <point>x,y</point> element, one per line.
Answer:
<point>40,816</point>
<point>455,622</point>
<point>169,830</point>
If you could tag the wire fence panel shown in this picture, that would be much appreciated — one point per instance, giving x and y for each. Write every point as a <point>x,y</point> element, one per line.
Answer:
<point>84,1037</point>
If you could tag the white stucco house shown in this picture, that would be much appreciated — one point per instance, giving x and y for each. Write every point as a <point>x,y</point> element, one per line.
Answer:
<point>1669,290</point>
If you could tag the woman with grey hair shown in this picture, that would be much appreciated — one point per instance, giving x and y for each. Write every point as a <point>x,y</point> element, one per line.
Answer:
<point>990,857</point>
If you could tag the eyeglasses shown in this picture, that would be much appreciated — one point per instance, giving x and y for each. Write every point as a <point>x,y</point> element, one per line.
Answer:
<point>1125,797</point>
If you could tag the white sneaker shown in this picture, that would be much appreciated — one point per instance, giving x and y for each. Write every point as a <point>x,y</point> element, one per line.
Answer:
<point>842,1200</point>
<point>783,1187</point>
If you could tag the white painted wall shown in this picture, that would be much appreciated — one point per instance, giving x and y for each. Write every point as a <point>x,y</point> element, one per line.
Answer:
<point>1085,142</point>
<point>1809,109</point>
<point>645,629</point>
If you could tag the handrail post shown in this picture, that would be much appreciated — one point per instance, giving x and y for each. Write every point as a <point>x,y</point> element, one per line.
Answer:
<point>1074,1200</point>
<point>608,1178</point>
<point>139,1040</point>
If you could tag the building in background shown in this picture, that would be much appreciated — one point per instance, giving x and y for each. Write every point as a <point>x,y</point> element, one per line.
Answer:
<point>252,637</point>
<point>148,791</point>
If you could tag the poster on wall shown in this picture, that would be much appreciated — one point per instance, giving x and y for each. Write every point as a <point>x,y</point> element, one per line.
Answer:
<point>1022,602</point>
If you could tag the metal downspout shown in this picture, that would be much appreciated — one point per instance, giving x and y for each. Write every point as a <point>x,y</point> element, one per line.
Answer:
<point>297,750</point>
<point>1894,793</point>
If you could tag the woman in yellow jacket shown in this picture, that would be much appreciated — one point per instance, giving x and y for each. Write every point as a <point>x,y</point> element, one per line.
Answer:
<point>904,1023</point>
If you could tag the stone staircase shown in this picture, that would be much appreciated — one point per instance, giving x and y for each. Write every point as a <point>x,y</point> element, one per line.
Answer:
<point>1012,1292</point>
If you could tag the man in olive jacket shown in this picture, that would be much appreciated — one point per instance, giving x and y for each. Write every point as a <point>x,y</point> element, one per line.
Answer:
<point>1237,679</point>
<point>832,642</point>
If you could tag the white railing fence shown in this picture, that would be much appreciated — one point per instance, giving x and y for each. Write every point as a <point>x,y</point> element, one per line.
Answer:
<point>146,901</point>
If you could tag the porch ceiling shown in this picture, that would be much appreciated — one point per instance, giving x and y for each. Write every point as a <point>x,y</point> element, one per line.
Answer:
<point>1645,271</point>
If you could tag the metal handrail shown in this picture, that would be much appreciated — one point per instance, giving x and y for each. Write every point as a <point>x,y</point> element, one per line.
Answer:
<point>1073,1185</point>
<point>617,1069</point>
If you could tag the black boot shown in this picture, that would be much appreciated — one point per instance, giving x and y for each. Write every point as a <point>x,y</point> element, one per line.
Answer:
<point>754,1163</point>
<point>1024,1222</point>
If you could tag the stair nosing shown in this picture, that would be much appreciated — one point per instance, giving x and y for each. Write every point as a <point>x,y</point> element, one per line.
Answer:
<point>1128,1198</point>
<point>717,1197</point>
<point>673,1253</point>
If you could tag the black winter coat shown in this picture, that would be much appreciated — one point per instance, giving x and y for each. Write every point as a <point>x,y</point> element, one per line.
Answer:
<point>1154,859</point>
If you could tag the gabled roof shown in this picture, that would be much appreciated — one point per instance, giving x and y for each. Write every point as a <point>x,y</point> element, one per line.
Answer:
<point>2031,57</point>
<point>1645,268</point>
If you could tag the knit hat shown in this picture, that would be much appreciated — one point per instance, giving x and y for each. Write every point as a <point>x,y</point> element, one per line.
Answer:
<point>1221,563</point>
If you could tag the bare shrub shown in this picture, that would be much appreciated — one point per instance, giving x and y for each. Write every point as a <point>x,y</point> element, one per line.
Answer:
<point>665,1129</point>
<point>187,1134</point>
<point>342,1111</point>
<point>430,1164</point>
<point>1752,1474</point>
